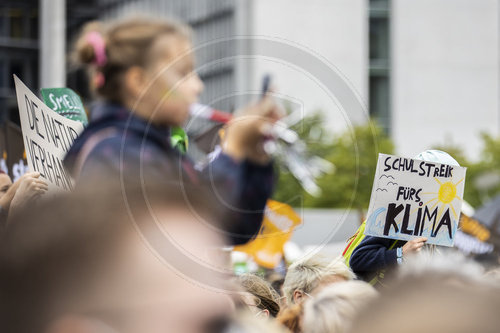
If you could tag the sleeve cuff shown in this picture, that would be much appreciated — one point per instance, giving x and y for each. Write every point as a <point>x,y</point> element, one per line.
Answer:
<point>391,257</point>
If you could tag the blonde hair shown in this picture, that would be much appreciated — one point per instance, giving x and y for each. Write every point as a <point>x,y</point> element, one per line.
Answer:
<point>128,43</point>
<point>333,309</point>
<point>306,274</point>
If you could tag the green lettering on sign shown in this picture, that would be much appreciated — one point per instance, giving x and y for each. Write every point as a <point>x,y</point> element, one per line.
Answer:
<point>65,102</point>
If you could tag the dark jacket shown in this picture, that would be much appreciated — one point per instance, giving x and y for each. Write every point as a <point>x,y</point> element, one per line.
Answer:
<point>373,255</point>
<point>120,144</point>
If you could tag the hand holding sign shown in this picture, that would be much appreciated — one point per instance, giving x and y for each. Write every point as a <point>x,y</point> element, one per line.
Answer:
<point>31,186</point>
<point>414,245</point>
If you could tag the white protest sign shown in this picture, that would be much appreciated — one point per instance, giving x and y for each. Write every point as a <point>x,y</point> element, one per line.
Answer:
<point>413,198</point>
<point>47,138</point>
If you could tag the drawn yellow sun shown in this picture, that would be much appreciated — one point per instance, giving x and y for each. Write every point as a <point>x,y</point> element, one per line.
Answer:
<point>446,194</point>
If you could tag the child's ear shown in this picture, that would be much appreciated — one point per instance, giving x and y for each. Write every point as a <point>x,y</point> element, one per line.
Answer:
<point>135,81</point>
<point>78,324</point>
<point>297,296</point>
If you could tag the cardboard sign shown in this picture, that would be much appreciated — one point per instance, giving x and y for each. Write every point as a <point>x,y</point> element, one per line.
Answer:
<point>413,198</point>
<point>65,102</point>
<point>277,227</point>
<point>47,138</point>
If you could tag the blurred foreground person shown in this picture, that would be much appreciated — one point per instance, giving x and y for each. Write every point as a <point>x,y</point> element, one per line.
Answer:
<point>453,267</point>
<point>333,309</point>
<point>291,317</point>
<point>429,304</point>
<point>244,322</point>
<point>14,197</point>
<point>95,263</point>
<point>309,275</point>
<point>5,183</point>
<point>143,72</point>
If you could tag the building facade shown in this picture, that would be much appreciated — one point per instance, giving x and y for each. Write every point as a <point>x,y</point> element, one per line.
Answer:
<point>427,71</point>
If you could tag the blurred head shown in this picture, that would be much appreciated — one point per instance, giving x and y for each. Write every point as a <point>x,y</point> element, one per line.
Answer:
<point>452,266</point>
<point>333,309</point>
<point>426,303</point>
<point>309,275</point>
<point>5,183</point>
<point>291,317</point>
<point>276,281</point>
<point>87,260</point>
<point>148,67</point>
<point>243,322</point>
<point>264,298</point>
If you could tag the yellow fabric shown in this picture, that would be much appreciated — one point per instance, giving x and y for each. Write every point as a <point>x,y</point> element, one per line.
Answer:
<point>277,228</point>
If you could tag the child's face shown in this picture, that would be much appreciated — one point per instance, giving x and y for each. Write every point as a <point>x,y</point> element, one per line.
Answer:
<point>174,85</point>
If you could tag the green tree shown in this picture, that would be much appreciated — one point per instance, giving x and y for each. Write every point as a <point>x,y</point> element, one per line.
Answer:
<point>489,163</point>
<point>354,154</point>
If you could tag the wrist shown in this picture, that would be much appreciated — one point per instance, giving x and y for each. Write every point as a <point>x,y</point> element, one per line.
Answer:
<point>233,150</point>
<point>399,255</point>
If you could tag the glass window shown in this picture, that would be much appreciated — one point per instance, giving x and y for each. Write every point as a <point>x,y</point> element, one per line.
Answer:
<point>34,72</point>
<point>379,100</point>
<point>15,67</point>
<point>379,38</point>
<point>33,24</point>
<point>3,23</point>
<point>379,4</point>
<point>2,73</point>
<point>16,23</point>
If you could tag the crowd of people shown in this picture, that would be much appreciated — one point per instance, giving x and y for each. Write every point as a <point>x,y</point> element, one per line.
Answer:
<point>136,247</point>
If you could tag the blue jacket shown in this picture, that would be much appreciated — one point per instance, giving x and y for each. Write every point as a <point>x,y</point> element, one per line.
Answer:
<point>121,144</point>
<point>373,255</point>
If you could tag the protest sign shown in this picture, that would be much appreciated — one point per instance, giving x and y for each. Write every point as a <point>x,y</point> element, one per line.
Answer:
<point>413,198</point>
<point>47,137</point>
<point>65,102</point>
<point>277,227</point>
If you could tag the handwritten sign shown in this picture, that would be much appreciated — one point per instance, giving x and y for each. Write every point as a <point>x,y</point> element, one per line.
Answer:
<point>413,198</point>
<point>47,137</point>
<point>279,222</point>
<point>65,102</point>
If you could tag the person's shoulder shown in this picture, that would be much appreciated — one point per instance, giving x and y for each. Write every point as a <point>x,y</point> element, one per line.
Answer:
<point>373,240</point>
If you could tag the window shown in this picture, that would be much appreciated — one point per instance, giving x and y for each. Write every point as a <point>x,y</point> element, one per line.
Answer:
<point>379,68</point>
<point>33,18</point>
<point>16,23</point>
<point>15,67</point>
<point>3,23</point>
<point>379,38</point>
<point>2,74</point>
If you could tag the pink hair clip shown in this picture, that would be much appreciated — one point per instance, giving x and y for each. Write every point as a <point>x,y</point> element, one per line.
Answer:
<point>95,39</point>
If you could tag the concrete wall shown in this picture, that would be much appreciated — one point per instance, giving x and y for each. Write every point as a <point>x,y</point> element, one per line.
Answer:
<point>330,31</point>
<point>324,226</point>
<point>445,73</point>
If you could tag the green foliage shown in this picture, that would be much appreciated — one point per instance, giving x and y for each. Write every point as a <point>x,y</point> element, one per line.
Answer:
<point>354,154</point>
<point>489,163</point>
